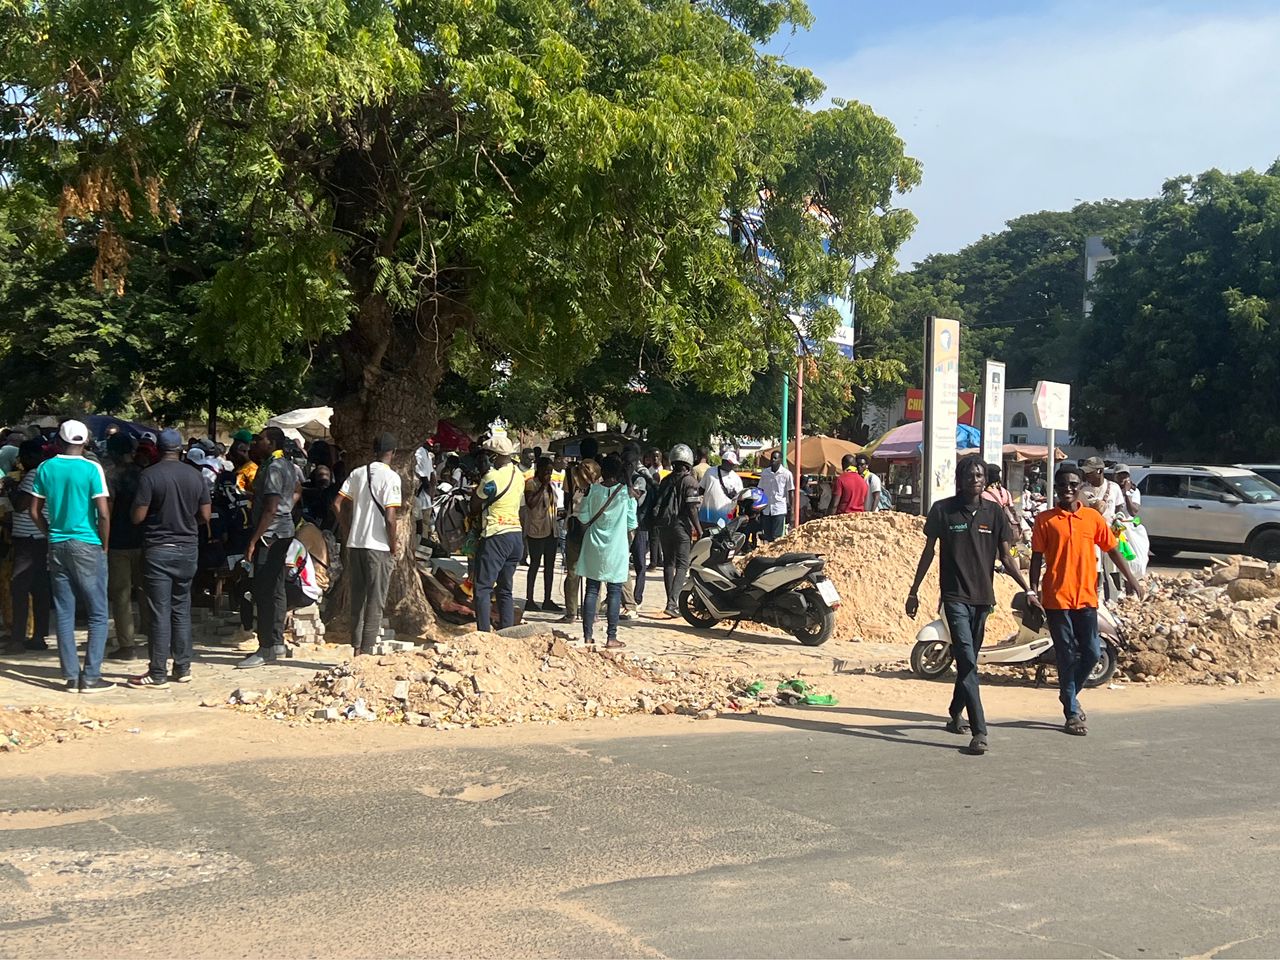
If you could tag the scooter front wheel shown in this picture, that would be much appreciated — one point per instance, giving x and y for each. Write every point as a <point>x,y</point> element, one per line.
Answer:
<point>931,658</point>
<point>692,609</point>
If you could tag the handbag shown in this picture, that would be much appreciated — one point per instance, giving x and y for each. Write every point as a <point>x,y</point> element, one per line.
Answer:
<point>577,533</point>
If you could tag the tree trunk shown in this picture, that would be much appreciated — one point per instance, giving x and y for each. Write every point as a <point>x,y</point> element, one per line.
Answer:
<point>392,366</point>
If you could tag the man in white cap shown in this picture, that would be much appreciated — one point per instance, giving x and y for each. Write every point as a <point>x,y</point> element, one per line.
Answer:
<point>496,504</point>
<point>720,488</point>
<point>71,505</point>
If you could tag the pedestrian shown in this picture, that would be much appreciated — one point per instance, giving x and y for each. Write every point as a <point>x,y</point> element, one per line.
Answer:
<point>496,504</point>
<point>320,498</point>
<point>583,475</point>
<point>1063,545</point>
<point>1097,491</point>
<point>368,508</point>
<point>675,518</point>
<point>170,505</point>
<point>29,583</point>
<point>720,487</point>
<point>779,485</point>
<point>275,491</point>
<point>973,532</point>
<point>700,465</point>
<point>608,515</point>
<point>539,523</point>
<point>71,491</point>
<point>242,463</point>
<point>124,552</point>
<point>644,490</point>
<point>999,494</point>
<point>849,495</point>
<point>874,487</point>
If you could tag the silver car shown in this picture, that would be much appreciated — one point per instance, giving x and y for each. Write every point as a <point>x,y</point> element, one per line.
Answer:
<point>1209,509</point>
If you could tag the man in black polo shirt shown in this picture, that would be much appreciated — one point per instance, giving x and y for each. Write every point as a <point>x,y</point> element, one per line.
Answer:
<point>973,532</point>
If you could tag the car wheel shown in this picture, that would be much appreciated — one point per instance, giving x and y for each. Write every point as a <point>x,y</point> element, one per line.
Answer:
<point>1265,545</point>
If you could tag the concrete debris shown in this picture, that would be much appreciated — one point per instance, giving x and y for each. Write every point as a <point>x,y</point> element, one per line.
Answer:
<point>24,727</point>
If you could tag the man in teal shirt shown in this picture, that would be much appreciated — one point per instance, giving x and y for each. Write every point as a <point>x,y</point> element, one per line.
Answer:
<point>72,491</point>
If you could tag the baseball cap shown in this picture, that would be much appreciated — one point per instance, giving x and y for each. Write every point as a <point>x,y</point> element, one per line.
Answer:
<point>501,445</point>
<point>244,435</point>
<point>728,456</point>
<point>1121,468</point>
<point>169,439</point>
<point>73,431</point>
<point>197,456</point>
<point>385,443</point>
<point>1092,465</point>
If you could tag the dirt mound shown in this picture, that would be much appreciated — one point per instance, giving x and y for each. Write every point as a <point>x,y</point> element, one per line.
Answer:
<point>485,679</point>
<point>1217,625</point>
<point>24,727</point>
<point>871,559</point>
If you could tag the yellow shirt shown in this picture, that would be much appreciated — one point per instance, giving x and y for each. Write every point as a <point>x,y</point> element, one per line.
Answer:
<point>503,488</point>
<point>245,476</point>
<point>698,470</point>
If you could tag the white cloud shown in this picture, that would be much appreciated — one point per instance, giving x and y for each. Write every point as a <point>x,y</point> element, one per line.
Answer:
<point>1020,114</point>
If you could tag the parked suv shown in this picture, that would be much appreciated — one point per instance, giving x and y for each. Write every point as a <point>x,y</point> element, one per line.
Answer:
<point>1267,471</point>
<point>1211,509</point>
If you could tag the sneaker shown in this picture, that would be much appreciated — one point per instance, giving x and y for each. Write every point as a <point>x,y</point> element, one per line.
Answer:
<point>72,686</point>
<point>630,615</point>
<point>35,645</point>
<point>670,613</point>
<point>147,680</point>
<point>95,686</point>
<point>531,605</point>
<point>181,676</point>
<point>550,606</point>
<point>258,659</point>
<point>957,725</point>
<point>1075,726</point>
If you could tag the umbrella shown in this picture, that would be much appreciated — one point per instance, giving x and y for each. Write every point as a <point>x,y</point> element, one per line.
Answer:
<point>904,442</point>
<point>309,422</point>
<point>609,442</point>
<point>818,454</point>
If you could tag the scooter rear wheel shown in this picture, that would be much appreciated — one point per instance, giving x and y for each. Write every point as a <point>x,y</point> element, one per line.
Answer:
<point>694,612</point>
<point>931,659</point>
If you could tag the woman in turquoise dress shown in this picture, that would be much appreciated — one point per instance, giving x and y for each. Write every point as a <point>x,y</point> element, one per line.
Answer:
<point>608,515</point>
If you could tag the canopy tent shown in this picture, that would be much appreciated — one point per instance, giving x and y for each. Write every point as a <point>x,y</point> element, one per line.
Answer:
<point>309,423</point>
<point>451,438</point>
<point>905,442</point>
<point>610,442</point>
<point>818,454</point>
<point>1027,452</point>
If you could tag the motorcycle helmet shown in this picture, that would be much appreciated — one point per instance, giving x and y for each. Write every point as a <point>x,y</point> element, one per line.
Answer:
<point>753,500</point>
<point>681,453</point>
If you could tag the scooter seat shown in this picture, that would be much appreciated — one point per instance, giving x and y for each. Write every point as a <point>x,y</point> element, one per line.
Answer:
<point>758,565</point>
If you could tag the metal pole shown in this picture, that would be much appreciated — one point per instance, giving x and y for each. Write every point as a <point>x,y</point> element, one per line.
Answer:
<point>799,431</point>
<point>1050,462</point>
<point>786,405</point>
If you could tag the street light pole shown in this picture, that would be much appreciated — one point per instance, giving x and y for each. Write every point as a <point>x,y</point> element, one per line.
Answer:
<point>799,431</point>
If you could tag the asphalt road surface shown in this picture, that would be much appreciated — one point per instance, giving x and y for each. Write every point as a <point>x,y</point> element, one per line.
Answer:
<point>826,833</point>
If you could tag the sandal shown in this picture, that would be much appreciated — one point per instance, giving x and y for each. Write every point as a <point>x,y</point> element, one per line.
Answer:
<point>614,645</point>
<point>1075,726</point>
<point>957,725</point>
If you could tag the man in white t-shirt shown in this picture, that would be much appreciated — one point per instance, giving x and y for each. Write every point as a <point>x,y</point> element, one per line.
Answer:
<point>1098,492</point>
<point>874,486</point>
<point>368,506</point>
<point>720,488</point>
<point>777,483</point>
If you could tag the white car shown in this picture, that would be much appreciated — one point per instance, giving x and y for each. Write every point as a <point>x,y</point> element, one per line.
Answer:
<point>1209,509</point>
<point>1267,471</point>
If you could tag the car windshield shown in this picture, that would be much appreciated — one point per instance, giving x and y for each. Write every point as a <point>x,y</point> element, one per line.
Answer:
<point>1255,489</point>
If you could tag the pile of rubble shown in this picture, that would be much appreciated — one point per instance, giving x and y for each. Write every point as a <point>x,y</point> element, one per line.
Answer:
<point>871,559</point>
<point>24,727</point>
<point>487,679</point>
<point>1217,625</point>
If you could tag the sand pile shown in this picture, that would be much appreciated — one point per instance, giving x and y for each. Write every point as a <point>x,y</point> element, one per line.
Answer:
<point>871,559</point>
<point>1217,625</point>
<point>25,727</point>
<point>485,679</point>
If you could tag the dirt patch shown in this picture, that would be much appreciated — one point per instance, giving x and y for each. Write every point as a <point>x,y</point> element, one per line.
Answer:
<point>1218,625</point>
<point>22,728</point>
<point>871,559</point>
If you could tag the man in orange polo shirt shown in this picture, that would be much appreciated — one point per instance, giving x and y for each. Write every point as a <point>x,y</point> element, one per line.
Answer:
<point>1062,545</point>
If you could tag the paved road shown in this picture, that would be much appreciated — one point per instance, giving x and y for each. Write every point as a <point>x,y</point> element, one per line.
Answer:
<point>839,832</point>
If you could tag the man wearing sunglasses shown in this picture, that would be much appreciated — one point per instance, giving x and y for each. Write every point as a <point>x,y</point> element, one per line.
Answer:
<point>1062,547</point>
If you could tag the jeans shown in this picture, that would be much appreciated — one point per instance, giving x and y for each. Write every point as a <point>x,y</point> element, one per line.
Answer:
<point>773,527</point>
<point>572,581</point>
<point>124,575</point>
<point>1078,649</point>
<point>967,624</point>
<point>78,573</point>
<point>542,552</point>
<point>613,606</point>
<point>269,598</point>
<point>676,545</point>
<point>499,557</point>
<point>167,572</point>
<point>30,584</point>
<point>370,580</point>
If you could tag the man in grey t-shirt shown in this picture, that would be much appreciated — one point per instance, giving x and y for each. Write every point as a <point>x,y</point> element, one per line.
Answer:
<point>275,491</point>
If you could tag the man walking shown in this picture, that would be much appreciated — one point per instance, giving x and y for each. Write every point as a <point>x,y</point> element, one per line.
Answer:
<point>1063,542</point>
<point>675,519</point>
<point>779,486</point>
<point>851,490</point>
<point>275,489</point>
<point>496,504</point>
<point>368,508</point>
<point>172,501</point>
<point>72,490</point>
<point>973,533</point>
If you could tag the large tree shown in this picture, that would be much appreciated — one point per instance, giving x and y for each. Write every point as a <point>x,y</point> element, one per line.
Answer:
<point>1184,337</point>
<point>506,184</point>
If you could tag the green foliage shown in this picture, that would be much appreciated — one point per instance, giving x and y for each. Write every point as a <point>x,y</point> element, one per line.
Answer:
<point>1184,338</point>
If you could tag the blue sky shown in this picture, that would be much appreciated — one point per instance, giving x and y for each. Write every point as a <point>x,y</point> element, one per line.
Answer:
<point>1017,107</point>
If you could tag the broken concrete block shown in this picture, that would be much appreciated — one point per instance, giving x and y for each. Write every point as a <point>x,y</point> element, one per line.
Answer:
<point>325,713</point>
<point>401,691</point>
<point>1253,570</point>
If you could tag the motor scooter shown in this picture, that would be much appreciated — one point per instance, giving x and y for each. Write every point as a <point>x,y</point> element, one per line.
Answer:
<point>931,657</point>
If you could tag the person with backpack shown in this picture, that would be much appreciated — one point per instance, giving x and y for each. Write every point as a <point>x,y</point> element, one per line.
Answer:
<point>675,520</point>
<point>644,491</point>
<point>875,488</point>
<point>368,508</point>
<point>496,503</point>
<point>608,515</point>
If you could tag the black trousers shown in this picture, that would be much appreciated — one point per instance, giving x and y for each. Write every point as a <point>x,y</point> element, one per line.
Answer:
<point>676,544</point>
<point>269,597</point>
<point>29,586</point>
<point>542,553</point>
<point>167,572</point>
<point>968,625</point>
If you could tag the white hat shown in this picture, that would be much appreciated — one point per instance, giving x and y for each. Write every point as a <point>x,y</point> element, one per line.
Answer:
<point>196,455</point>
<point>501,445</point>
<point>728,456</point>
<point>73,431</point>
